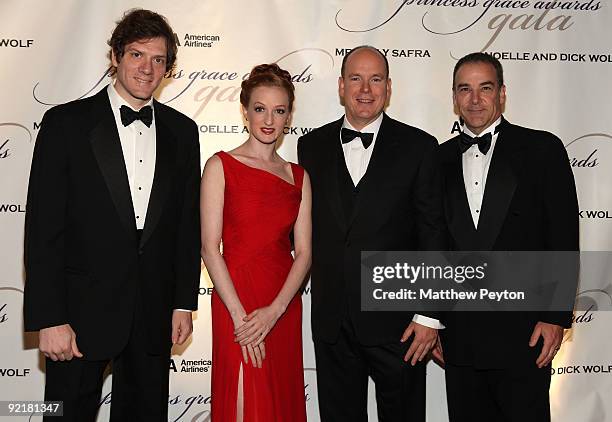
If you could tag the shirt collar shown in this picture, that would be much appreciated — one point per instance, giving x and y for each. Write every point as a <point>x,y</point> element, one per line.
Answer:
<point>373,127</point>
<point>490,129</point>
<point>117,100</point>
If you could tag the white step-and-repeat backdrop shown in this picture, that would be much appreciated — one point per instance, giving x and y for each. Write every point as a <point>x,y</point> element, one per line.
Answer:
<point>557,59</point>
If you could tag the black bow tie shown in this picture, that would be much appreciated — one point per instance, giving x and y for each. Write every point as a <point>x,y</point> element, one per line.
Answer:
<point>483,142</point>
<point>145,115</point>
<point>348,135</point>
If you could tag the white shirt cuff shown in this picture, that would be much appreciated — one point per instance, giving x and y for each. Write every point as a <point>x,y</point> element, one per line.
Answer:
<point>189,310</point>
<point>428,322</point>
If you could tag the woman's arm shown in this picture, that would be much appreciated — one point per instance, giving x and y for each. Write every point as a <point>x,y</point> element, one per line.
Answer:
<point>212,194</point>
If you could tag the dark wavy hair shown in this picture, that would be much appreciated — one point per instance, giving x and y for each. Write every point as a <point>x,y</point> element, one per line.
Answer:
<point>267,75</point>
<point>479,57</point>
<point>141,24</point>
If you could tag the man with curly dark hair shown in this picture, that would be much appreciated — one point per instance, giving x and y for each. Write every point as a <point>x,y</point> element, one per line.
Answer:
<point>112,247</point>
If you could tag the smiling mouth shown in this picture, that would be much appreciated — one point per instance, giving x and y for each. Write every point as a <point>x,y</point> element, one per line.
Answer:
<point>142,81</point>
<point>364,101</point>
<point>267,131</point>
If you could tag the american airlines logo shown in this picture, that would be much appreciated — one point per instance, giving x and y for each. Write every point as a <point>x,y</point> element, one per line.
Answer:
<point>197,40</point>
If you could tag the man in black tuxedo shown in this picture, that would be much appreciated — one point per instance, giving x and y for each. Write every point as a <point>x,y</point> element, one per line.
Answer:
<point>375,187</point>
<point>506,188</point>
<point>112,246</point>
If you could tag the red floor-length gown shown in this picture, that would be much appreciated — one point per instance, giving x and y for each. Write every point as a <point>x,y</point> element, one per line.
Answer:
<point>259,212</point>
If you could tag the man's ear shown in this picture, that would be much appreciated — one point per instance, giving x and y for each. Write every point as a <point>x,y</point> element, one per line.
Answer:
<point>341,89</point>
<point>114,60</point>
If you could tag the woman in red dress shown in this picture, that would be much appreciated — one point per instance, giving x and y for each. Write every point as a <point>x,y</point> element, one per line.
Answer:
<point>251,202</point>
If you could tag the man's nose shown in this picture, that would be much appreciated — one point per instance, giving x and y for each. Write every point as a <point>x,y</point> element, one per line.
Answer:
<point>475,97</point>
<point>146,67</point>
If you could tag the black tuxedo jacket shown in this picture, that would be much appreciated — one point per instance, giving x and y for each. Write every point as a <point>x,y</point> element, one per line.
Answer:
<point>396,206</point>
<point>84,262</point>
<point>529,204</point>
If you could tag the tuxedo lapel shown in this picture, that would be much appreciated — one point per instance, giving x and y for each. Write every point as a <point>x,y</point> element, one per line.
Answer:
<point>499,190</point>
<point>460,222</point>
<point>330,173</point>
<point>162,181</point>
<point>106,147</point>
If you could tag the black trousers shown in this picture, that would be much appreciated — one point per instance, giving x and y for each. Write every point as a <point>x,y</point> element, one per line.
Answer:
<point>518,394</point>
<point>342,380</point>
<point>139,385</point>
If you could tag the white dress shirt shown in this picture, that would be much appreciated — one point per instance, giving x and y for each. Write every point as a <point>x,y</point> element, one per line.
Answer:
<point>475,169</point>
<point>138,146</point>
<point>138,143</point>
<point>356,156</point>
<point>357,159</point>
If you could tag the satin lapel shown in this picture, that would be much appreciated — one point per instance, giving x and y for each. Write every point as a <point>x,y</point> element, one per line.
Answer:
<point>384,150</point>
<point>499,190</point>
<point>165,152</point>
<point>459,217</point>
<point>336,157</point>
<point>106,146</point>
